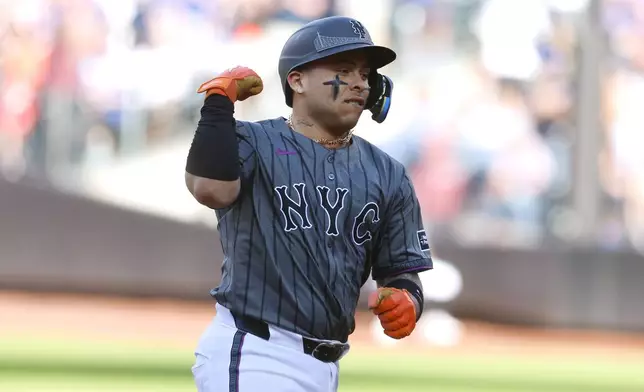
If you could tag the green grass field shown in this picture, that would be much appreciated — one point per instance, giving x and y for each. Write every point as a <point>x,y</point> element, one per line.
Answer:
<point>28,365</point>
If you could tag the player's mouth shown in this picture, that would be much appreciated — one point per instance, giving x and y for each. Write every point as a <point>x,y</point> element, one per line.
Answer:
<point>356,101</point>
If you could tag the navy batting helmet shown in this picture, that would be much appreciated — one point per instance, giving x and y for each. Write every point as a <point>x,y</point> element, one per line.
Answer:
<point>328,36</point>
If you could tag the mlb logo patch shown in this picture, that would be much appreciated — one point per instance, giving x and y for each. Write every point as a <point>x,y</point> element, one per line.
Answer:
<point>423,242</point>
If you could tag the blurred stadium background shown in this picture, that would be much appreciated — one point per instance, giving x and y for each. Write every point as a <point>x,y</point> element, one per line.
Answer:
<point>521,122</point>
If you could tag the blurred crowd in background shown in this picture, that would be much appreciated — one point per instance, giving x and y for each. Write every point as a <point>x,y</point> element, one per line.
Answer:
<point>485,105</point>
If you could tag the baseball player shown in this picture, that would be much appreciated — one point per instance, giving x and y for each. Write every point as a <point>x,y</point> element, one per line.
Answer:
<point>306,212</point>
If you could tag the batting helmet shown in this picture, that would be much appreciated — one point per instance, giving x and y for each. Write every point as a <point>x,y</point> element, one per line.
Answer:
<point>337,34</point>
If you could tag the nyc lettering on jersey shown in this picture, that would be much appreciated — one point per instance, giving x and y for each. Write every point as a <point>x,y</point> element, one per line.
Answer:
<point>295,211</point>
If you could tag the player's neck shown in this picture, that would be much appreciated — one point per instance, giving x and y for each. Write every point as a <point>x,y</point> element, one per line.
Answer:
<point>312,129</point>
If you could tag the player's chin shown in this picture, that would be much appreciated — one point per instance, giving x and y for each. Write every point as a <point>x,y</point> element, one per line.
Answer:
<point>350,115</point>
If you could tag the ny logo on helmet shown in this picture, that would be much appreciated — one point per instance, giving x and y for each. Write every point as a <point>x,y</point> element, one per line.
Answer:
<point>359,29</point>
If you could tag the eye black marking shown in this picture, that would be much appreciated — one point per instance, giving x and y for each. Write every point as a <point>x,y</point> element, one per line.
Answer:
<point>336,83</point>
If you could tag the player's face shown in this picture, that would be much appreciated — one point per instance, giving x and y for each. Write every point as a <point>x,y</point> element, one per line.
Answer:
<point>336,89</point>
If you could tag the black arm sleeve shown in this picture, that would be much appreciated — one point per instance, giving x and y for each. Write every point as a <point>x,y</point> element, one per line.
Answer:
<point>214,152</point>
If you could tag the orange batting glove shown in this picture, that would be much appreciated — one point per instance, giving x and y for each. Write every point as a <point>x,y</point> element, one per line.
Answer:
<point>396,310</point>
<point>237,84</point>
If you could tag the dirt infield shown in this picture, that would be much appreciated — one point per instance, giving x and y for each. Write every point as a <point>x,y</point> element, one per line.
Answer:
<point>179,324</point>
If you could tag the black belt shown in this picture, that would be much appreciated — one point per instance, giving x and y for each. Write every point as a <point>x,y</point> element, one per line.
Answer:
<point>322,351</point>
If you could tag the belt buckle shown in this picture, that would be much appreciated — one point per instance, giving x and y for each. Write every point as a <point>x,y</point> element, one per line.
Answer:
<point>339,351</point>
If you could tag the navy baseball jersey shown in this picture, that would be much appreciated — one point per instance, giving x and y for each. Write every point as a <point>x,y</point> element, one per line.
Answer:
<point>310,225</point>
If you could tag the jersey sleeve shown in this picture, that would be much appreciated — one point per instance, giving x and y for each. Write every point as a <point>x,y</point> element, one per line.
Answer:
<point>403,246</point>
<point>246,141</point>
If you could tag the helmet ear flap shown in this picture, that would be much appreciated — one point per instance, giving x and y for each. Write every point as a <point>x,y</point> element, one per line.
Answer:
<point>375,89</point>
<point>379,100</point>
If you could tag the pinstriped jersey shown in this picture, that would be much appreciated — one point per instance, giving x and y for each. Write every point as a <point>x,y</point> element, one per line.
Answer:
<point>310,225</point>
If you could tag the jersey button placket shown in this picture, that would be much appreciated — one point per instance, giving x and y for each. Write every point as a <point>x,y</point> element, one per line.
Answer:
<point>330,158</point>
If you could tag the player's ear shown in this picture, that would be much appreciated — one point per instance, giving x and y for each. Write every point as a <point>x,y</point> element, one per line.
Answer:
<point>296,81</point>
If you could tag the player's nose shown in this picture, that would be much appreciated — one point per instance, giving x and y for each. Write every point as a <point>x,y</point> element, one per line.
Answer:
<point>359,84</point>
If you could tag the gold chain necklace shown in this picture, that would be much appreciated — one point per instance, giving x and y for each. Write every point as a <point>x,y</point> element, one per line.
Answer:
<point>328,142</point>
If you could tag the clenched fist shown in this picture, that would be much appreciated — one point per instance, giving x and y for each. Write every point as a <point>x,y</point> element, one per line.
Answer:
<point>237,84</point>
<point>396,311</point>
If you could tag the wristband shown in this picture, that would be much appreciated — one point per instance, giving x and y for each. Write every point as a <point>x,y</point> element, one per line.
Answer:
<point>413,289</point>
<point>214,152</point>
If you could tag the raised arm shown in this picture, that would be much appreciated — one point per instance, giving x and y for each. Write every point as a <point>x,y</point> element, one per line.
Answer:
<point>213,165</point>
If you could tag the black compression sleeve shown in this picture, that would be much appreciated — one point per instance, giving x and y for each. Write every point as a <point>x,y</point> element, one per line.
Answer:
<point>214,152</point>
